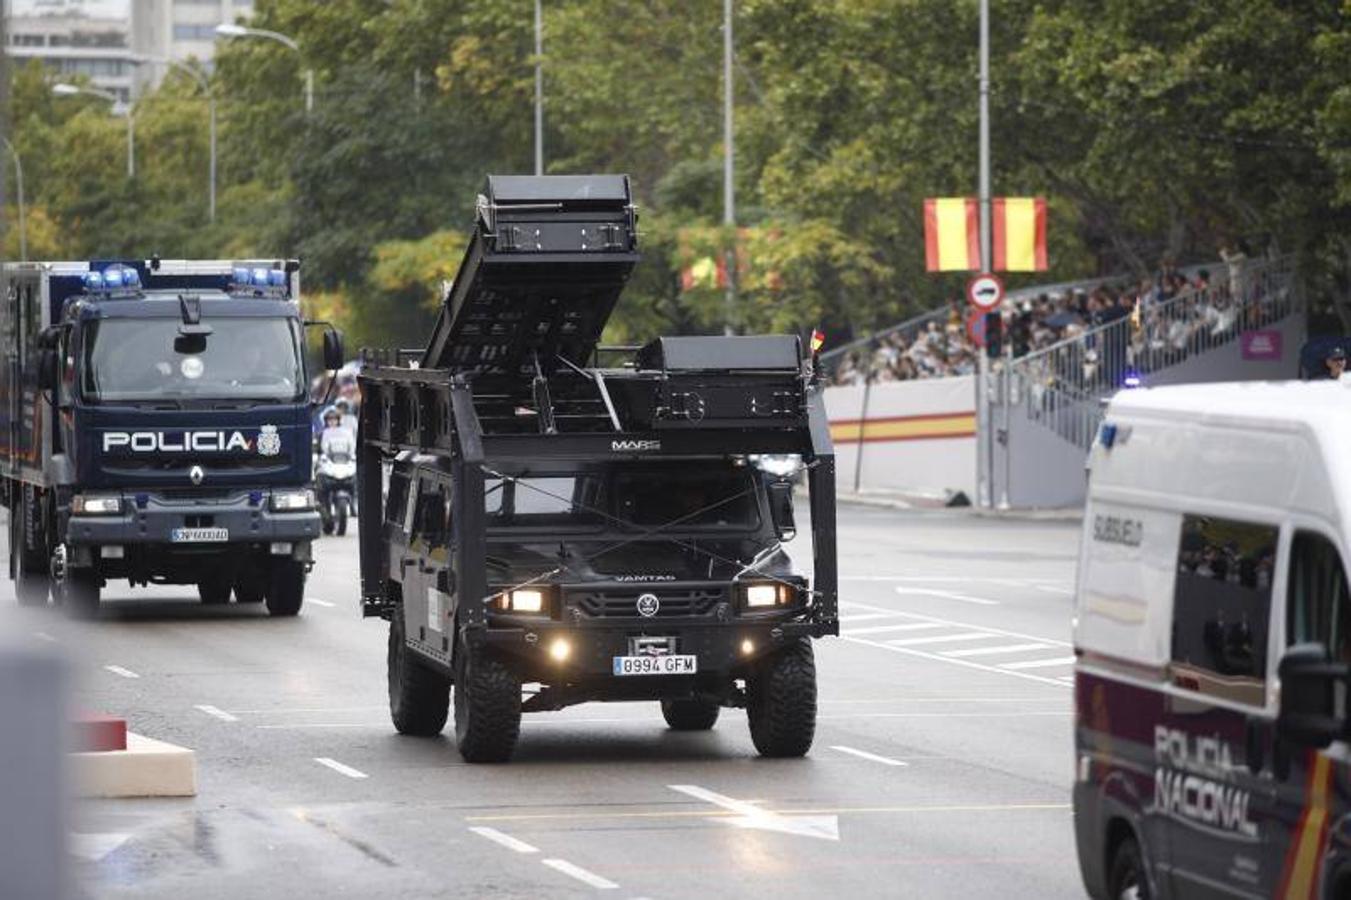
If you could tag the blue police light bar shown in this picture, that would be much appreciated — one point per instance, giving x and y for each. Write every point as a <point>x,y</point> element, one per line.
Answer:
<point>258,281</point>
<point>115,277</point>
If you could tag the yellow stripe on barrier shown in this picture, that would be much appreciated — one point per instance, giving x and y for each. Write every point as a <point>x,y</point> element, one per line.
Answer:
<point>905,428</point>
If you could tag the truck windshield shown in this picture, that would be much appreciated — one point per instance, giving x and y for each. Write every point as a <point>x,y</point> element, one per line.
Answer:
<point>641,498</point>
<point>147,359</point>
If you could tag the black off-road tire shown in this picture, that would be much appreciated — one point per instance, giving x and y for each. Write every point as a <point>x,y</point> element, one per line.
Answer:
<point>690,715</point>
<point>250,584</point>
<point>285,587</point>
<point>487,701</point>
<point>341,515</point>
<point>31,573</point>
<point>1127,879</point>
<point>419,697</point>
<point>214,590</point>
<point>80,593</point>
<point>781,702</point>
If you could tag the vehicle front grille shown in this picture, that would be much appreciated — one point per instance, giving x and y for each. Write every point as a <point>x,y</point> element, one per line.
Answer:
<point>624,603</point>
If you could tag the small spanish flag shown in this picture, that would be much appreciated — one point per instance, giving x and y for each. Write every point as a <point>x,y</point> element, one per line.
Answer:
<point>818,340</point>
<point>1019,234</point>
<point>951,234</point>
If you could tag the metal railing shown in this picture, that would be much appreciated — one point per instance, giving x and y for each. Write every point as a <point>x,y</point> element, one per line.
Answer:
<point>1062,386</point>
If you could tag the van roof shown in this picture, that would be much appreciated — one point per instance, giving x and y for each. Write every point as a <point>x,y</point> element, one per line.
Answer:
<point>1310,402</point>
<point>1276,445</point>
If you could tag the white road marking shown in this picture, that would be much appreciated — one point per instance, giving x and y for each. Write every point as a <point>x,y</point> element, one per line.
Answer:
<point>1039,663</point>
<point>990,651</point>
<point>869,616</point>
<point>118,670</point>
<point>944,638</point>
<point>911,651</point>
<point>317,602</point>
<point>752,816</point>
<point>216,713</point>
<point>381,724</point>
<point>1054,590</point>
<point>94,847</point>
<point>908,626</point>
<point>873,757</point>
<point>920,617</point>
<point>44,636</point>
<point>582,875</point>
<point>340,768</point>
<point>505,840</point>
<point>945,595</point>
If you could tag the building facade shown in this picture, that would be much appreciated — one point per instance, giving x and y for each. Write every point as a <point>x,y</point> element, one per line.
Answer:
<point>71,43</point>
<point>179,30</point>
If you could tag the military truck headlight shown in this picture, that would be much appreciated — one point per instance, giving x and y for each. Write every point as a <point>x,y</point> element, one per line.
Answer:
<point>292,501</point>
<point>95,505</point>
<point>529,601</point>
<point>768,593</point>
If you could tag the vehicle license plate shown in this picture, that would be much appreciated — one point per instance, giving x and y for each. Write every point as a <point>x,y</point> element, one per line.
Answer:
<point>656,665</point>
<point>199,535</point>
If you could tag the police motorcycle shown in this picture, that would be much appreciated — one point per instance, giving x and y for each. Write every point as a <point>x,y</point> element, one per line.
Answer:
<point>335,473</point>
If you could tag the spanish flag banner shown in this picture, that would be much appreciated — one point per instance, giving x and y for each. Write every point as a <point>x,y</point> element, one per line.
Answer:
<point>1019,234</point>
<point>951,234</point>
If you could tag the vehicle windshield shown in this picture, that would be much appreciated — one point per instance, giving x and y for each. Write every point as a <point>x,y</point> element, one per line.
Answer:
<point>148,359</point>
<point>628,499</point>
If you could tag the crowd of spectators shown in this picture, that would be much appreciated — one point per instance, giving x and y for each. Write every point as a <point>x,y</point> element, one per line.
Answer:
<point>1206,305</point>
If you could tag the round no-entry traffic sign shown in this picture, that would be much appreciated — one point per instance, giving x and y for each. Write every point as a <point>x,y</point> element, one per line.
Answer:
<point>985,292</point>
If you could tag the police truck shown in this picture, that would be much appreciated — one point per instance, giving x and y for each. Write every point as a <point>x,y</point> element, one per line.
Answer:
<point>154,427</point>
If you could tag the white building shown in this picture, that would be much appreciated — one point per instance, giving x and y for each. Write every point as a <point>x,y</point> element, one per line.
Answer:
<point>180,29</point>
<point>70,42</point>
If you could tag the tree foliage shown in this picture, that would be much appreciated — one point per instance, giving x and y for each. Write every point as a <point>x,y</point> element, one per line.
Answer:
<point>1153,128</point>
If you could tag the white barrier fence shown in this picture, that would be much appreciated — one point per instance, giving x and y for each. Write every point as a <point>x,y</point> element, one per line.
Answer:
<point>916,437</point>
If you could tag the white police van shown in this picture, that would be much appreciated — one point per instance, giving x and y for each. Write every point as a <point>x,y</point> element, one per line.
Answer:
<point>1213,635</point>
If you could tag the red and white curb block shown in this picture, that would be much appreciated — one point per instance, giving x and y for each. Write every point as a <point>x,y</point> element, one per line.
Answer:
<point>112,762</point>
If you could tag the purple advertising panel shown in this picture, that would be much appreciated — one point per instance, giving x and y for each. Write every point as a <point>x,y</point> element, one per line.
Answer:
<point>1261,345</point>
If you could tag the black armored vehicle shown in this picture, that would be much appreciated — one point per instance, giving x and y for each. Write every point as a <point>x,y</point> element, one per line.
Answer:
<point>542,530</point>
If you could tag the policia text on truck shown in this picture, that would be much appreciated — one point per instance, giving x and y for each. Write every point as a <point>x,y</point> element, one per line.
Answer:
<point>154,426</point>
<point>602,533</point>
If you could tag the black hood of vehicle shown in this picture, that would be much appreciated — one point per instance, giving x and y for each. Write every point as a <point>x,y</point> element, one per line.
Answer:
<point>654,561</point>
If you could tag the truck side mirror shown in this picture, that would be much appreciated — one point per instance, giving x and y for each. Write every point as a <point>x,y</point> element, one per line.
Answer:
<point>334,357</point>
<point>781,509</point>
<point>1313,696</point>
<point>48,361</point>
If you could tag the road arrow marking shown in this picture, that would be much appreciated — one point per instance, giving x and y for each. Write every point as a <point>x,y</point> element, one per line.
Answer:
<point>94,847</point>
<point>752,816</point>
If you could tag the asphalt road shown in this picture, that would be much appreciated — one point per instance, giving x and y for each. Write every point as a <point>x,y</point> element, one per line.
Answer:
<point>941,768</point>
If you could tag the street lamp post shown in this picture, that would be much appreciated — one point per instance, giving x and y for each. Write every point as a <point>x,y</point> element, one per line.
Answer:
<point>230,30</point>
<point>539,88</point>
<point>18,189</point>
<point>70,90</point>
<point>205,84</point>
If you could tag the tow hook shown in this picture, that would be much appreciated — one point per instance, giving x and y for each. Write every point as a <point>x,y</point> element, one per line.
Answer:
<point>59,566</point>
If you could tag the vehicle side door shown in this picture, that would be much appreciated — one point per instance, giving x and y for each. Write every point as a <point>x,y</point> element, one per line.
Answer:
<point>1310,840</point>
<point>424,561</point>
<point>1213,781</point>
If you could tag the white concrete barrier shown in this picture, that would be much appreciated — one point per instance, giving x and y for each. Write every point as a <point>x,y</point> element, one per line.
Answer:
<point>147,768</point>
<point>914,437</point>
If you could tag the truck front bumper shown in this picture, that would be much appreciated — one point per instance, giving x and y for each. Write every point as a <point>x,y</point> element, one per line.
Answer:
<point>721,648</point>
<point>150,518</point>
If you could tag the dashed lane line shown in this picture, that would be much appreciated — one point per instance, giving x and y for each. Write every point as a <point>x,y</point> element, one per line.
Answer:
<point>871,757</point>
<point>907,626</point>
<point>504,840</point>
<point>44,636</point>
<point>216,713</point>
<point>582,875</point>
<point>945,595</point>
<point>1038,663</point>
<point>317,602</point>
<point>995,651</point>
<point>340,768</point>
<point>959,809</point>
<point>944,638</point>
<point>937,657</point>
<point>118,670</point>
